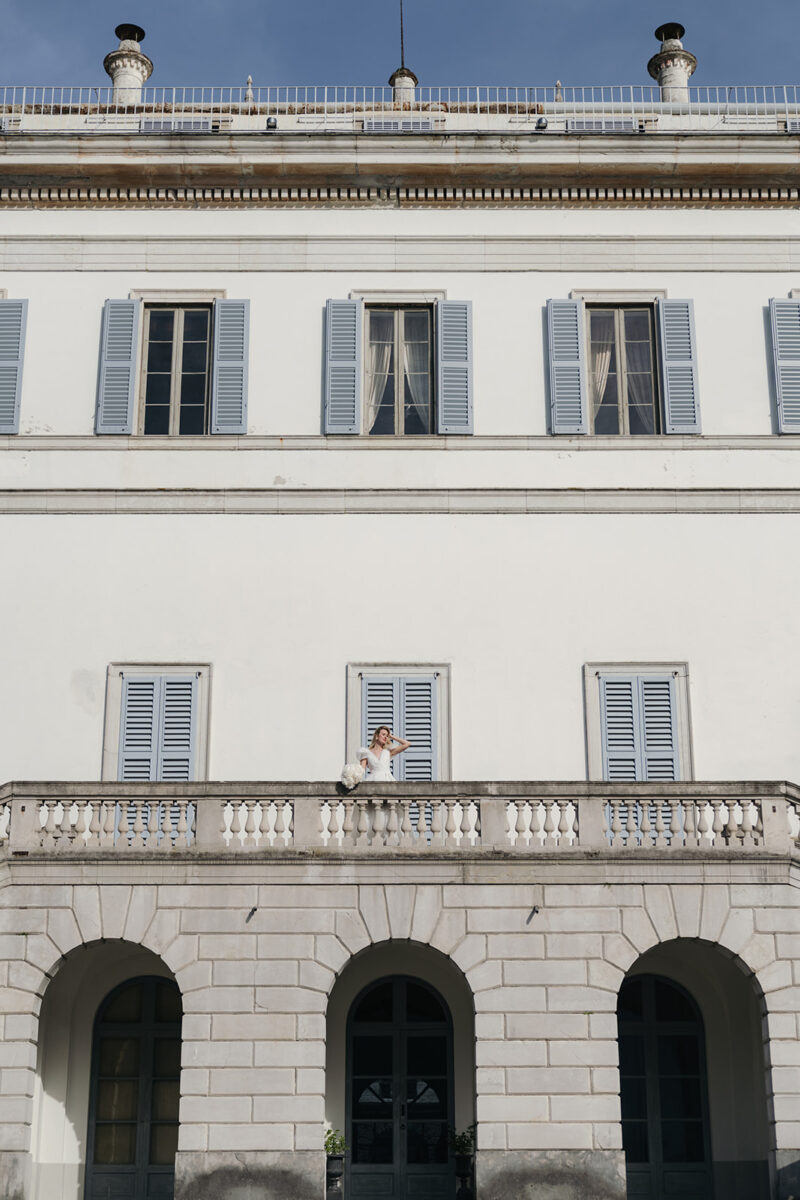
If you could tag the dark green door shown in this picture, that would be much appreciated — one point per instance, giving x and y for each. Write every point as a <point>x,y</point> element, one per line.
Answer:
<point>399,1093</point>
<point>135,1084</point>
<point>665,1130</point>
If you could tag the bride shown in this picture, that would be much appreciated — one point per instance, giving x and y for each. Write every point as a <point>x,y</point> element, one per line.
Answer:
<point>377,756</point>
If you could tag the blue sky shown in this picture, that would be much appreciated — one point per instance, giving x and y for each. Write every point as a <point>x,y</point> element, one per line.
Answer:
<point>356,41</point>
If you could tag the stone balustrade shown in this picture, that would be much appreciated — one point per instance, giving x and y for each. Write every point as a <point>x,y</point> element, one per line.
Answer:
<point>419,818</point>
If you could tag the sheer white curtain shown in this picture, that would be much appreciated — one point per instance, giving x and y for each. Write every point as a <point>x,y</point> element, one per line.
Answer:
<point>640,383</point>
<point>380,357</point>
<point>416,368</point>
<point>602,344</point>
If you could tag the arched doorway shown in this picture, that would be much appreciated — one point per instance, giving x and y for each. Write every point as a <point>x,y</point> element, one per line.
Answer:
<point>399,1091</point>
<point>134,1092</point>
<point>663,1091</point>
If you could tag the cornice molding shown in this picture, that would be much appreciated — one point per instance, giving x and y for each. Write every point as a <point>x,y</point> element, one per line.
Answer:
<point>416,501</point>
<point>478,253</point>
<point>429,444</point>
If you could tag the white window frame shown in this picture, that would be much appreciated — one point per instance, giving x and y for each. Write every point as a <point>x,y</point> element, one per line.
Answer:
<point>356,672</point>
<point>113,713</point>
<point>594,721</point>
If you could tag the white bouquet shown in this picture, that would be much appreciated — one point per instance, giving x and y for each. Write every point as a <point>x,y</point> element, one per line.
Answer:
<point>352,775</point>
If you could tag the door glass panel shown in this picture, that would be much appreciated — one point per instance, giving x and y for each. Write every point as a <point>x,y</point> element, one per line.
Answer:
<point>168,1003</point>
<point>629,1007</point>
<point>126,1005</point>
<point>426,1097</point>
<point>372,1056</point>
<point>422,1005</point>
<point>115,1144</point>
<point>372,1098</point>
<point>678,1054</point>
<point>634,1141</point>
<point>117,1100</point>
<point>683,1141</point>
<point>163,1144</point>
<point>672,1005</point>
<point>166,1095</point>
<point>119,1056</point>
<point>427,1142</point>
<point>427,1055</point>
<point>376,1005</point>
<point>167,1056</point>
<point>372,1142</point>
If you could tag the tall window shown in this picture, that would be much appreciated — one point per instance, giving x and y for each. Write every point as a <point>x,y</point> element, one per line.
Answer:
<point>177,368</point>
<point>399,370</point>
<point>622,374</point>
<point>135,1089</point>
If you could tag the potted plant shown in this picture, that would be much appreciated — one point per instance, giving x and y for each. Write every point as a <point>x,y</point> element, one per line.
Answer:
<point>463,1147</point>
<point>335,1147</point>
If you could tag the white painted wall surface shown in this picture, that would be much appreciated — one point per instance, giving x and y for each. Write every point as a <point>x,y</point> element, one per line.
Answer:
<point>517,605</point>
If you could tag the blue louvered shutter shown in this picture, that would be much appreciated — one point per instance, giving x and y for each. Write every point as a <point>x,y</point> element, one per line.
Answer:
<point>380,705</point>
<point>659,740</point>
<point>567,353</point>
<point>639,727</point>
<point>158,728</point>
<point>177,728</point>
<point>229,374</point>
<point>138,735</point>
<point>678,366</point>
<point>418,725</point>
<point>785,321</point>
<point>13,323</point>
<point>343,336</point>
<point>116,385</point>
<point>619,716</point>
<point>454,366</point>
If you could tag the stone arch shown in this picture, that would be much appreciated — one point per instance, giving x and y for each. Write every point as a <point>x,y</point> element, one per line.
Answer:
<point>83,978</point>
<point>732,1006</point>
<point>422,962</point>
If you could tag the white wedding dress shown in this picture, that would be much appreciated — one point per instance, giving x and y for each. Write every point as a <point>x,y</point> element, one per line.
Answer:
<point>379,765</point>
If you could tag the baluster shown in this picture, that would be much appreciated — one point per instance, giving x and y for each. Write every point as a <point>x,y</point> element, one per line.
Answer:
<point>450,825</point>
<point>378,824</point>
<point>124,825</point>
<point>703,826</point>
<point>659,839</point>
<point>69,830</point>
<point>288,807</point>
<point>392,823</point>
<point>746,831</point>
<point>165,826</point>
<point>249,823</point>
<point>759,826</point>
<point>279,828</point>
<point>138,825</point>
<point>182,831</point>
<point>236,824</point>
<point>406,828</point>
<point>153,822</point>
<point>550,810</point>
<point>731,831</point>
<point>644,824</point>
<point>465,825</point>
<point>109,816</point>
<point>521,825</point>
<point>223,821</point>
<point>576,827</point>
<point>436,823</point>
<point>476,824</point>
<point>615,823</point>
<point>347,821</point>
<point>674,824</point>
<point>689,826</point>
<point>49,827</point>
<point>717,824</point>
<point>422,827</point>
<point>563,824</point>
<point>94,823</point>
<point>362,828</point>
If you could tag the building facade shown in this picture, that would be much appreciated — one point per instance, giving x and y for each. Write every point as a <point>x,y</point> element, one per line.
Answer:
<point>471,412</point>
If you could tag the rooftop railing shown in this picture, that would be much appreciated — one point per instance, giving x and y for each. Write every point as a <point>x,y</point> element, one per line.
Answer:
<point>276,819</point>
<point>381,110</point>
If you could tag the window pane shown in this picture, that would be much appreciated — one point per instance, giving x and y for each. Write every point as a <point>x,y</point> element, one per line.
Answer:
<point>376,1005</point>
<point>427,1055</point>
<point>195,325</point>
<point>372,1142</point>
<point>158,389</point>
<point>633,1096</point>
<point>680,1098</point>
<point>193,390</point>
<point>115,1144</point>
<point>125,1006</point>
<point>427,1142</point>
<point>117,1100</point>
<point>162,324</point>
<point>606,417</point>
<point>634,1141</point>
<point>672,1004</point>
<point>629,1005</point>
<point>416,326</point>
<point>159,356</point>
<point>194,356</point>
<point>637,325</point>
<point>167,1057</point>
<point>383,421</point>
<point>119,1057</point>
<point>168,1003</point>
<point>641,410</point>
<point>192,419</point>
<point>381,326</point>
<point>163,1144</point>
<point>372,1056</point>
<point>417,414</point>
<point>166,1096</point>
<point>156,419</point>
<point>422,1005</point>
<point>678,1055</point>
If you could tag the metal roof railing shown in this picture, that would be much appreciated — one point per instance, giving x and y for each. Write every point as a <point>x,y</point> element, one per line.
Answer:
<point>380,110</point>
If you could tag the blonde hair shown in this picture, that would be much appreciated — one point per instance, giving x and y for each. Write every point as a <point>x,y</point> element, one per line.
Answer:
<point>375,735</point>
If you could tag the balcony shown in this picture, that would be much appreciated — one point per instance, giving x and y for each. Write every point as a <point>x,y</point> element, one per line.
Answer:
<point>128,821</point>
<point>379,111</point>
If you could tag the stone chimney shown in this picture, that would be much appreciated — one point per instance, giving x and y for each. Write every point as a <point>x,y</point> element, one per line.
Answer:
<point>402,83</point>
<point>673,65</point>
<point>127,66</point>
